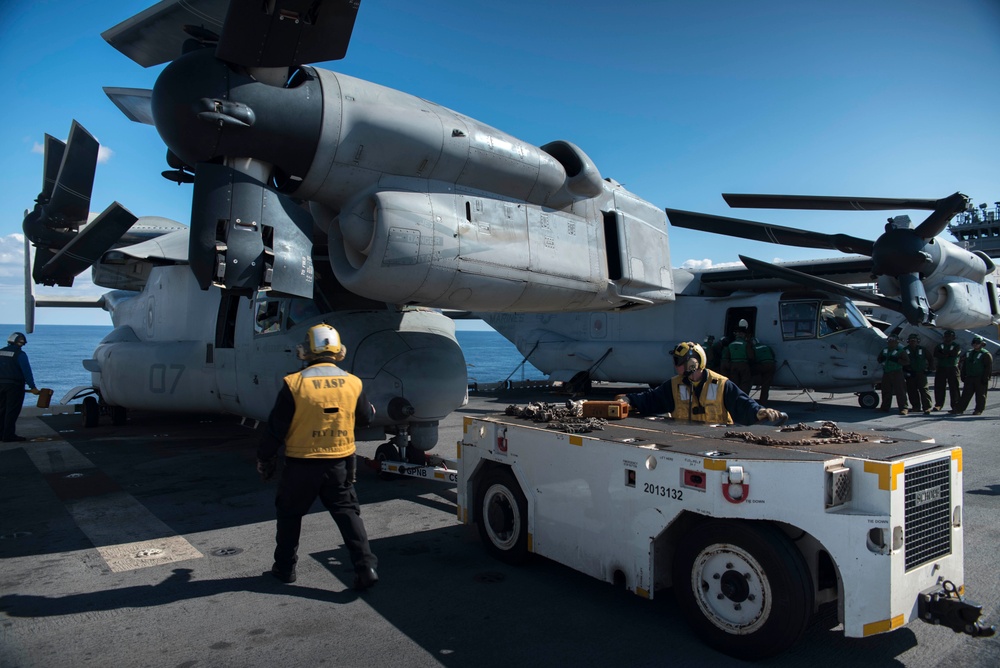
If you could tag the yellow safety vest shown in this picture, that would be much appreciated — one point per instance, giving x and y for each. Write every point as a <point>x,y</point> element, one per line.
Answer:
<point>323,425</point>
<point>710,397</point>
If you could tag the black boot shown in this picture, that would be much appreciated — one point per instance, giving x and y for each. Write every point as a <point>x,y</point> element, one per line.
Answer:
<point>365,578</point>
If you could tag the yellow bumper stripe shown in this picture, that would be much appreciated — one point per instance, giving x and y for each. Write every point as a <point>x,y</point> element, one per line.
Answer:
<point>883,626</point>
<point>715,464</point>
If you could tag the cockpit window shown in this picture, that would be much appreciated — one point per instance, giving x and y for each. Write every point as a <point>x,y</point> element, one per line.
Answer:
<point>836,317</point>
<point>803,319</point>
<point>798,319</point>
<point>268,316</point>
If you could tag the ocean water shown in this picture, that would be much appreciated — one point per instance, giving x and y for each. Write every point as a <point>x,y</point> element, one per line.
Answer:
<point>56,353</point>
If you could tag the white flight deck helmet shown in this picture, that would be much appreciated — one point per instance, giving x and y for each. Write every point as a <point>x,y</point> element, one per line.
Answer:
<point>18,338</point>
<point>322,340</point>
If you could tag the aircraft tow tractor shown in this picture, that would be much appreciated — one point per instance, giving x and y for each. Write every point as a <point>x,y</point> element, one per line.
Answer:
<point>753,527</point>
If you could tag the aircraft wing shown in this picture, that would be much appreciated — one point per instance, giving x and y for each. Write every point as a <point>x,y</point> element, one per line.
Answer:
<point>128,267</point>
<point>171,247</point>
<point>847,271</point>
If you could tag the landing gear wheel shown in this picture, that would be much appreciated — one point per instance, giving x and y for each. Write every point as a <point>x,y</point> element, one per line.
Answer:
<point>417,457</point>
<point>387,452</point>
<point>119,415</point>
<point>743,587</point>
<point>868,400</point>
<point>91,412</point>
<point>502,516</point>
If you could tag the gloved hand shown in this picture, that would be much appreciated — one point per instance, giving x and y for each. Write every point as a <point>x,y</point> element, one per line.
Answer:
<point>266,468</point>
<point>771,415</point>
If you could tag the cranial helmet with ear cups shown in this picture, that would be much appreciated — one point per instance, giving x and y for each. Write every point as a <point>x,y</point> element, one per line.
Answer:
<point>688,350</point>
<point>322,340</point>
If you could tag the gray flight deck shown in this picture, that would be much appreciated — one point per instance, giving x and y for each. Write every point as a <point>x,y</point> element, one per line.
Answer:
<point>146,545</point>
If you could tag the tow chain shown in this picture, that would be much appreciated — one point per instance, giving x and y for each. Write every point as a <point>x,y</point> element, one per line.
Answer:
<point>567,418</point>
<point>828,433</point>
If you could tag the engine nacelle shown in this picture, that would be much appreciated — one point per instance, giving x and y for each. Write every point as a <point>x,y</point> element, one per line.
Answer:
<point>474,251</point>
<point>949,260</point>
<point>963,304</point>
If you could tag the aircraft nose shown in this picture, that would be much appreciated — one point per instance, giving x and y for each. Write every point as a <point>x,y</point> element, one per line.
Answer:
<point>419,373</point>
<point>431,373</point>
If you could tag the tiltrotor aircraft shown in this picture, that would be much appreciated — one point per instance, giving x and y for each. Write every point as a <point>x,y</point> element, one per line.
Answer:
<point>821,340</point>
<point>928,279</point>
<point>323,197</point>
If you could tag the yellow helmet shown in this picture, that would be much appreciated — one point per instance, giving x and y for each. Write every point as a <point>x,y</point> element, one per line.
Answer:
<point>688,350</point>
<point>322,340</point>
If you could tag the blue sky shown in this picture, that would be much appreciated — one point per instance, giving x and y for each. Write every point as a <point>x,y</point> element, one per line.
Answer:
<point>678,100</point>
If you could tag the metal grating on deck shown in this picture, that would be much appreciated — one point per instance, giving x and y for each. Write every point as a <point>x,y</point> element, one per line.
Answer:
<point>928,512</point>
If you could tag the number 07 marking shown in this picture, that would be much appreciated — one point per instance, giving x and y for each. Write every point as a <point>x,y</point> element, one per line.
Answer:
<point>161,374</point>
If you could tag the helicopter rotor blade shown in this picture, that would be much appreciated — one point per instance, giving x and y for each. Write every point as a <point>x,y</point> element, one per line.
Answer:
<point>243,32</point>
<point>946,209</point>
<point>826,203</point>
<point>54,149</point>
<point>774,234</point>
<point>815,282</point>
<point>69,203</point>
<point>86,247</point>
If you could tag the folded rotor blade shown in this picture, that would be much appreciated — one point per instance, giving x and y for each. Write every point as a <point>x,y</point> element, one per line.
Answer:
<point>292,32</point>
<point>69,204</point>
<point>249,33</point>
<point>774,234</point>
<point>54,149</point>
<point>768,269</point>
<point>86,247</point>
<point>157,35</point>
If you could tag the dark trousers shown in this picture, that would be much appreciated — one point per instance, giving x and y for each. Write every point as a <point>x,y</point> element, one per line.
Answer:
<point>893,385</point>
<point>739,373</point>
<point>916,389</point>
<point>765,373</point>
<point>301,482</point>
<point>974,387</point>
<point>946,377</point>
<point>11,400</point>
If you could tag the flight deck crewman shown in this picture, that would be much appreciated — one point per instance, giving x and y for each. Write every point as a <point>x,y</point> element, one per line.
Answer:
<point>763,366</point>
<point>700,394</point>
<point>314,417</point>
<point>15,372</point>
<point>738,356</point>
<point>976,370</point>
<point>946,356</point>
<point>893,359</point>
<point>916,374</point>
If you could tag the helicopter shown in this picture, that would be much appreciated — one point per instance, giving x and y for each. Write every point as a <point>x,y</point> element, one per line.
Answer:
<point>821,340</point>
